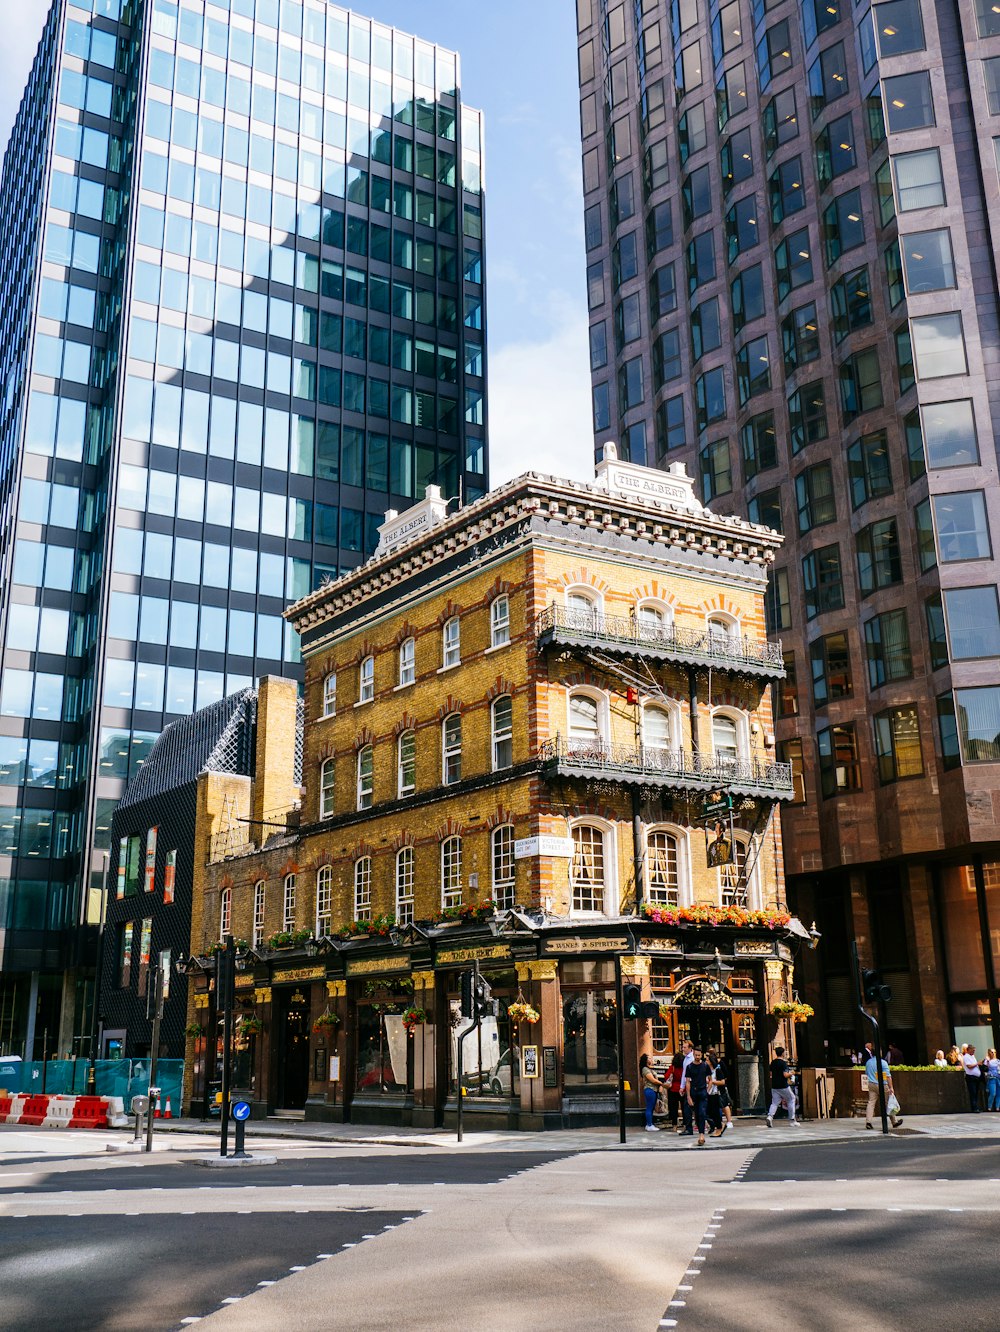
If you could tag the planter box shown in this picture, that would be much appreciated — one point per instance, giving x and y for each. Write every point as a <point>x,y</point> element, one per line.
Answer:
<point>935,1091</point>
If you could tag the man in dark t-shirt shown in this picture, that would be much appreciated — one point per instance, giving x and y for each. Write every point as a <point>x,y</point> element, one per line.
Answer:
<point>781,1092</point>
<point>698,1074</point>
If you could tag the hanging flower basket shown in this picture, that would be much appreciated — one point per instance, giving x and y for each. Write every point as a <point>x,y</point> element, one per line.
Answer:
<point>326,1022</point>
<point>522,1012</point>
<point>194,1030</point>
<point>414,1017</point>
<point>249,1026</point>
<point>793,1009</point>
<point>704,913</point>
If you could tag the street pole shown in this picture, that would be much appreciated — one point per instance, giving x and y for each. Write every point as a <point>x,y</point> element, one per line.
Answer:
<point>877,1036</point>
<point>620,1023</point>
<point>156,1008</point>
<point>461,1048</point>
<point>92,1069</point>
<point>225,978</point>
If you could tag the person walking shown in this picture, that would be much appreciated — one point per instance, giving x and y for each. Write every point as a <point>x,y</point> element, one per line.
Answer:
<point>991,1067</point>
<point>696,1081</point>
<point>673,1082</point>
<point>651,1086</point>
<point>716,1093</point>
<point>973,1076</point>
<point>781,1091</point>
<point>687,1050</point>
<point>721,1076</point>
<point>871,1072</point>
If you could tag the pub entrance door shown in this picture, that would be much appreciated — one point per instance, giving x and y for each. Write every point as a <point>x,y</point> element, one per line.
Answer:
<point>292,1024</point>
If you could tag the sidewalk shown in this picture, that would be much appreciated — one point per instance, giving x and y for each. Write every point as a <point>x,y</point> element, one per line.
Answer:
<point>751,1131</point>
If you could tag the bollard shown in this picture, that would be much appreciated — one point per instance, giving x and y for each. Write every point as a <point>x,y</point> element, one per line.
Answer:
<point>241,1113</point>
<point>140,1105</point>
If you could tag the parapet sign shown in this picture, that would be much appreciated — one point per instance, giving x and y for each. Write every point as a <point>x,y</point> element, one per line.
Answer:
<point>401,527</point>
<point>673,487</point>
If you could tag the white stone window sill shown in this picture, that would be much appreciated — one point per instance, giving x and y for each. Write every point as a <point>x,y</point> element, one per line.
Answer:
<point>496,647</point>
<point>364,702</point>
<point>453,667</point>
<point>407,684</point>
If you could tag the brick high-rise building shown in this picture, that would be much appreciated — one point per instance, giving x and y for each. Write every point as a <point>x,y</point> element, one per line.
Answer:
<point>791,232</point>
<point>241,283</point>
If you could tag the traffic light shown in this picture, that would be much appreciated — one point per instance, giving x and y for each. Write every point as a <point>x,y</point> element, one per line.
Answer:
<point>632,999</point>
<point>875,988</point>
<point>485,1005</point>
<point>466,1003</point>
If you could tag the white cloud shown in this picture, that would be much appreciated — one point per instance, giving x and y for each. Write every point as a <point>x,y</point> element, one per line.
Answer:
<point>539,395</point>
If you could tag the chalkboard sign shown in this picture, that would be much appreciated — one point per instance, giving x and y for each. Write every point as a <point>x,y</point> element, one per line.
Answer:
<point>549,1072</point>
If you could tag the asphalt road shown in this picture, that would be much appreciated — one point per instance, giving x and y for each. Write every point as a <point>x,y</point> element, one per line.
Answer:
<point>422,1168</point>
<point>892,1157</point>
<point>143,1273</point>
<point>839,1271</point>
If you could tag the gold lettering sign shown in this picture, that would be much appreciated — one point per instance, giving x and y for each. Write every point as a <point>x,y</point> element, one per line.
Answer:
<point>660,945</point>
<point>754,948</point>
<point>482,954</point>
<point>579,945</point>
<point>371,966</point>
<point>244,982</point>
<point>298,974</point>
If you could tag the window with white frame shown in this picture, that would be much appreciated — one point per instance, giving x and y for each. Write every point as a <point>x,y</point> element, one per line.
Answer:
<point>725,738</point>
<point>324,900</point>
<point>502,720</point>
<point>657,731</point>
<point>366,776</point>
<point>258,913</point>
<point>500,621</point>
<point>363,888</point>
<point>588,869</point>
<point>451,872</point>
<point>288,912</point>
<point>407,661</point>
<point>451,643</point>
<point>330,695</point>
<point>226,913</point>
<point>503,866</point>
<point>582,608</point>
<point>326,789</point>
<point>406,764</point>
<point>404,885</point>
<point>722,629</point>
<point>584,724</point>
<point>366,686</point>
<point>653,620</point>
<point>662,868</point>
<point>451,749</point>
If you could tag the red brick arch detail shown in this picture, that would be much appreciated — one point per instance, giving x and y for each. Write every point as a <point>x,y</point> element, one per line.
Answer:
<point>656,591</point>
<point>290,867</point>
<point>583,677</point>
<point>451,704</point>
<point>451,609</point>
<point>720,602</point>
<point>499,687</point>
<point>320,859</point>
<point>582,577</point>
<point>361,849</point>
<point>325,752</point>
<point>406,631</point>
<point>450,828</point>
<point>364,737</point>
<point>365,650</point>
<point>227,881</point>
<point>593,811</point>
<point>405,723</point>
<point>499,816</point>
<point>500,587</point>
<point>404,838</point>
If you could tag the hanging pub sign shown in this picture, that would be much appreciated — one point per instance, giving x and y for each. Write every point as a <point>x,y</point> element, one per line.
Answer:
<point>720,845</point>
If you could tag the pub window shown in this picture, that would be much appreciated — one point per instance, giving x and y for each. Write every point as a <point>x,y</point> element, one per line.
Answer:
<point>588,869</point>
<point>404,885</point>
<point>365,777</point>
<point>407,661</point>
<point>500,621</point>
<point>363,888</point>
<point>451,749</point>
<point>326,789</point>
<point>330,695</point>
<point>451,872</point>
<point>662,868</point>
<point>288,904</point>
<point>258,913</point>
<point>502,717</point>
<point>226,913</point>
<point>503,866</point>
<point>406,764</point>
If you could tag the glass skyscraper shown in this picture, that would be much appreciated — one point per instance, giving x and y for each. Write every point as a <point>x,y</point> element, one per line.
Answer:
<point>243,314</point>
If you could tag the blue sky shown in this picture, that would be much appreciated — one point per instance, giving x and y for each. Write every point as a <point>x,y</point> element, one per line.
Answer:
<point>519,66</point>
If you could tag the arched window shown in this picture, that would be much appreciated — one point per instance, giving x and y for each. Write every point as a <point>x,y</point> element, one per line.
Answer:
<point>585,731</point>
<point>330,695</point>
<point>589,869</point>
<point>502,718</point>
<point>404,886</point>
<point>406,764</point>
<point>500,621</point>
<point>326,789</point>
<point>288,912</point>
<point>451,643</point>
<point>324,900</point>
<point>366,776</point>
<point>503,866</point>
<point>725,738</point>
<point>662,868</point>
<point>226,913</point>
<point>451,872</point>
<point>407,661</point>
<point>258,913</point>
<point>653,620</point>
<point>363,888</point>
<point>722,629</point>
<point>366,682</point>
<point>582,609</point>
<point>657,730</point>
<point>451,749</point>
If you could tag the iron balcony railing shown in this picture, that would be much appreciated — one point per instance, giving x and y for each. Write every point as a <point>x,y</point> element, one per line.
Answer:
<point>694,646</point>
<point>669,767</point>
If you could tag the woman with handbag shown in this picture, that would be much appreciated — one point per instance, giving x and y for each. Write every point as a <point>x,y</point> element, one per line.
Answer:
<point>651,1086</point>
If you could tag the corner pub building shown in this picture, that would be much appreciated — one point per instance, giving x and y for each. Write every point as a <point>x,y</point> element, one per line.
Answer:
<point>538,737</point>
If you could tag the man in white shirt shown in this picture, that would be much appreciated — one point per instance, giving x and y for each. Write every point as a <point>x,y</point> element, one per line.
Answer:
<point>973,1076</point>
<point>871,1073</point>
<point>686,1108</point>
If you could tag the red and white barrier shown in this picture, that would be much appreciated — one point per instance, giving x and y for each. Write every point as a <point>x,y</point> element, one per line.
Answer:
<point>64,1111</point>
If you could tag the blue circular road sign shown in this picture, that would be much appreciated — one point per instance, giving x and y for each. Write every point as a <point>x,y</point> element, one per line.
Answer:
<point>241,1110</point>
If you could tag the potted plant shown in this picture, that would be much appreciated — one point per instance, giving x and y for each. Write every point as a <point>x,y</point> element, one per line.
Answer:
<point>326,1023</point>
<point>249,1026</point>
<point>194,1030</point>
<point>413,1017</point>
<point>793,1009</point>
<point>519,1011</point>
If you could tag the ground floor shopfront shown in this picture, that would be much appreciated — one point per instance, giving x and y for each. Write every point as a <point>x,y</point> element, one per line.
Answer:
<point>368,1030</point>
